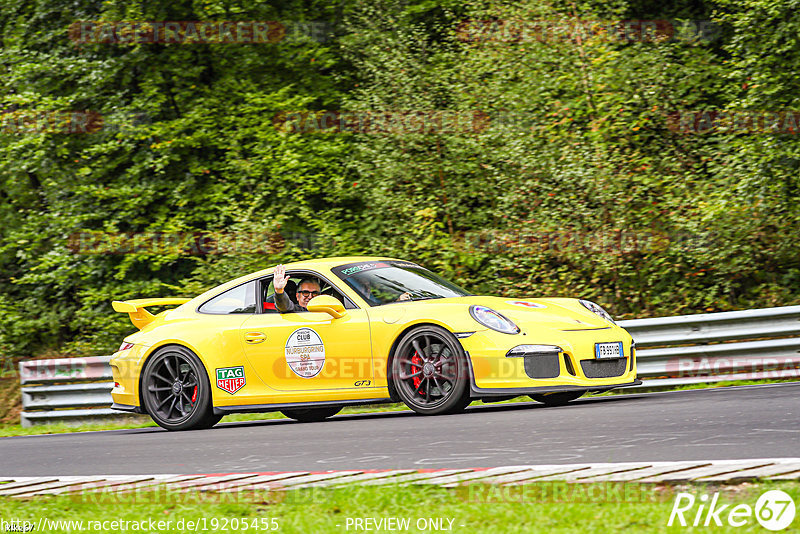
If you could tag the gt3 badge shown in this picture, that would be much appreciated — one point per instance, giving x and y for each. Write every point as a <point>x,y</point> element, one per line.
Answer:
<point>231,379</point>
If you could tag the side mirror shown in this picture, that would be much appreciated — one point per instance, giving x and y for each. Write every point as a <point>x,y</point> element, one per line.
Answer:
<point>327,304</point>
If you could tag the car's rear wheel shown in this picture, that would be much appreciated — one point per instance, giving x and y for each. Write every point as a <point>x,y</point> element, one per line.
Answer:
<point>557,399</point>
<point>311,415</point>
<point>176,392</point>
<point>429,371</point>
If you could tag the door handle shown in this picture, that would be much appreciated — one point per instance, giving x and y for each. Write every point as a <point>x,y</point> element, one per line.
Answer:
<point>254,337</point>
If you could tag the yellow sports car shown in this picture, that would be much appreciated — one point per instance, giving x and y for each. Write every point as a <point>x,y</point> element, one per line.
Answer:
<point>374,330</point>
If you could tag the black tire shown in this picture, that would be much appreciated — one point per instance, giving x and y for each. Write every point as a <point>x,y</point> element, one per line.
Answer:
<point>209,421</point>
<point>461,405</point>
<point>557,399</point>
<point>311,415</point>
<point>429,372</point>
<point>176,392</point>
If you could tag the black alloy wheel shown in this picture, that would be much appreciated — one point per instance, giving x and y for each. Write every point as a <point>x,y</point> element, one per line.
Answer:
<point>556,399</point>
<point>311,415</point>
<point>429,371</point>
<point>176,392</point>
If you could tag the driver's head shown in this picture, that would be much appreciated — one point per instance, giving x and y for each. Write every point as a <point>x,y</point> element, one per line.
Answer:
<point>307,289</point>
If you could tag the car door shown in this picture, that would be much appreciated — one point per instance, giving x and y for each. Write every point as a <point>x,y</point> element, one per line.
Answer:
<point>308,351</point>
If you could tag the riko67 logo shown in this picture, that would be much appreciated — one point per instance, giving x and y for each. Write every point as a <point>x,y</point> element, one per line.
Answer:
<point>774,510</point>
<point>231,379</point>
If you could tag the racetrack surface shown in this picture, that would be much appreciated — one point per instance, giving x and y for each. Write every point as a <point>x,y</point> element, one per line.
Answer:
<point>710,424</point>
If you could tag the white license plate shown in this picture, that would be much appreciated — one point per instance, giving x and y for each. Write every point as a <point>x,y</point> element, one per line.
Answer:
<point>608,350</point>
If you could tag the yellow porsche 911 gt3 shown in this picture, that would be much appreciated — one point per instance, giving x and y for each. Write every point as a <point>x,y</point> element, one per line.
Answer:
<point>375,330</point>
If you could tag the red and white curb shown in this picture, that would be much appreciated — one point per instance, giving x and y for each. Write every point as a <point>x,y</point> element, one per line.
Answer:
<point>716,471</point>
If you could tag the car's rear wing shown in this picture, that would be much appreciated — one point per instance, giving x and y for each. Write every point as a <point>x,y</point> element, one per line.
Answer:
<point>136,308</point>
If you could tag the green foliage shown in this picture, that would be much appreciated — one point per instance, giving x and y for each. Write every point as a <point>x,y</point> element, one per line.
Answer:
<point>544,166</point>
<point>576,185</point>
<point>196,152</point>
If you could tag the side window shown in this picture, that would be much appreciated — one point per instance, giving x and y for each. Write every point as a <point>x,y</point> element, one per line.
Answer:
<point>268,291</point>
<point>240,299</point>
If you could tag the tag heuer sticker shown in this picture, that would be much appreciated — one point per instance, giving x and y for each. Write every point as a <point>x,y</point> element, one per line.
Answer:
<point>305,353</point>
<point>525,304</point>
<point>231,379</point>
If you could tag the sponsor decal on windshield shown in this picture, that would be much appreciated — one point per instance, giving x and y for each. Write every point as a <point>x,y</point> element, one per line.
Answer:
<point>355,268</point>
<point>362,267</point>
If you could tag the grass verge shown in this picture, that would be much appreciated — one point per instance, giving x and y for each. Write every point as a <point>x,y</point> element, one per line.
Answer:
<point>551,507</point>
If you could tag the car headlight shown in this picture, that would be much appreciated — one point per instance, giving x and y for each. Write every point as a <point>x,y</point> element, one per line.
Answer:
<point>597,310</point>
<point>492,319</point>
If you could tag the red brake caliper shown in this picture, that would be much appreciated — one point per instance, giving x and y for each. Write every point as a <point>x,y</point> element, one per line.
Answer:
<point>417,361</point>
<point>194,395</point>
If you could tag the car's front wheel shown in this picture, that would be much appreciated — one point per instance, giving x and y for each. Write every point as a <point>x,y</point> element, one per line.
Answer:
<point>557,399</point>
<point>311,415</point>
<point>176,392</point>
<point>429,371</point>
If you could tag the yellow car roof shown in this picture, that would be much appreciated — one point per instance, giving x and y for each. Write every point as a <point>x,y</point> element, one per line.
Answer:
<point>334,261</point>
<point>317,264</point>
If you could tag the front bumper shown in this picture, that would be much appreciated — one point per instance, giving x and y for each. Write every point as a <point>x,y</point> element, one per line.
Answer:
<point>574,368</point>
<point>479,393</point>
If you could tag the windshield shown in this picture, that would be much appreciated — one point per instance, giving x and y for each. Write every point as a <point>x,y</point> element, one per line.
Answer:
<point>384,282</point>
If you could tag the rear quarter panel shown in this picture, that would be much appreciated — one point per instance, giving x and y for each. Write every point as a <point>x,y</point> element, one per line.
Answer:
<point>215,339</point>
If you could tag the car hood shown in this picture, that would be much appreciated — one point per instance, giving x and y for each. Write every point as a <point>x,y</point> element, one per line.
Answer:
<point>554,313</point>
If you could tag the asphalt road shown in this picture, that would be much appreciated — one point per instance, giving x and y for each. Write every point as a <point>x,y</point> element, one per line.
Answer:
<point>712,424</point>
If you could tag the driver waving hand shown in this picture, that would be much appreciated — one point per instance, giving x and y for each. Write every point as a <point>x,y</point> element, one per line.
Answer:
<point>307,289</point>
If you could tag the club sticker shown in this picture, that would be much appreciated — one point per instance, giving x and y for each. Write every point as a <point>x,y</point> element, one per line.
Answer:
<point>305,353</point>
<point>525,304</point>
<point>231,379</point>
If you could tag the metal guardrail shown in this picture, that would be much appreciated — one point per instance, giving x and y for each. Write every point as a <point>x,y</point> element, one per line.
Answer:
<point>686,349</point>
<point>712,347</point>
<point>67,390</point>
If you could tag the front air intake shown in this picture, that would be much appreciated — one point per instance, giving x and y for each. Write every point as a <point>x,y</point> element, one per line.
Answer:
<point>542,366</point>
<point>604,368</point>
<point>568,364</point>
<point>541,361</point>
